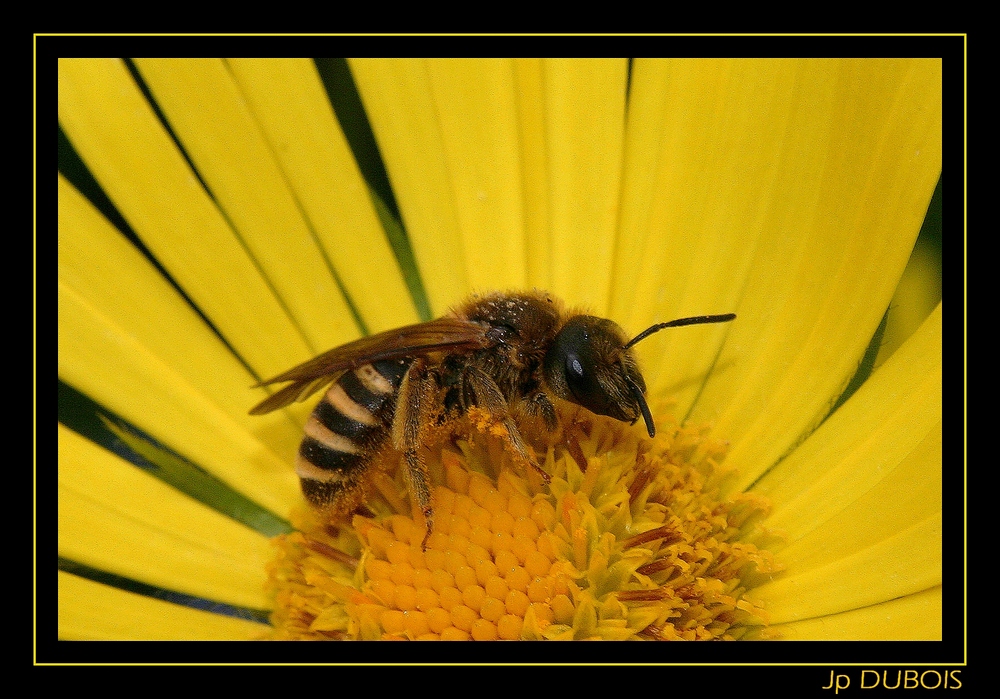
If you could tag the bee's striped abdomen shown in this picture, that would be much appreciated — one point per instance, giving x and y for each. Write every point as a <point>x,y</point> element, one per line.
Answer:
<point>349,425</point>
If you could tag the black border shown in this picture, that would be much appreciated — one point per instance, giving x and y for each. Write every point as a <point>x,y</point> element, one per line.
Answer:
<point>812,662</point>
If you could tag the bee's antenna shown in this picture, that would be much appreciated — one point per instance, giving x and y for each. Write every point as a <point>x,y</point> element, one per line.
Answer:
<point>693,320</point>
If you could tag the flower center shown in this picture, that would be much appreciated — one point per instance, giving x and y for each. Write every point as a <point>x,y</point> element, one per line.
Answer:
<point>629,540</point>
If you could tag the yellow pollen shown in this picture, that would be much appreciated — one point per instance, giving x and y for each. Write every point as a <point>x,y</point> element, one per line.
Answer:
<point>635,544</point>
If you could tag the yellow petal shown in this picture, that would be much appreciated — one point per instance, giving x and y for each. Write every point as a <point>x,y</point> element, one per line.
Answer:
<point>90,611</point>
<point>859,159</point>
<point>530,86</point>
<point>91,256</point>
<point>916,617</point>
<point>210,117</point>
<point>860,500</point>
<point>117,518</point>
<point>887,437</point>
<point>131,155</point>
<point>288,100</point>
<point>704,149</point>
<point>476,106</point>
<point>399,103</point>
<point>584,135</point>
<point>134,346</point>
<point>903,564</point>
<point>448,132</point>
<point>919,291</point>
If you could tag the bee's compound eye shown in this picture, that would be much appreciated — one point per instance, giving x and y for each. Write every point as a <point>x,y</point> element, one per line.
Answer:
<point>578,379</point>
<point>578,361</point>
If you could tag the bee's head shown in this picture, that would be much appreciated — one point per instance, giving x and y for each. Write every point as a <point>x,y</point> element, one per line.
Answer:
<point>590,363</point>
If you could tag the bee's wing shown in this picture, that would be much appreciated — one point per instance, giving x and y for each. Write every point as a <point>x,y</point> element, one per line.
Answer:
<point>409,341</point>
<point>296,391</point>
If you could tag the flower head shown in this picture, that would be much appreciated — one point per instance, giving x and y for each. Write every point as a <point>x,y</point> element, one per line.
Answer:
<point>629,540</point>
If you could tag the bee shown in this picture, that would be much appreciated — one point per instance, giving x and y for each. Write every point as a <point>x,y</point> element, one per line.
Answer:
<point>512,354</point>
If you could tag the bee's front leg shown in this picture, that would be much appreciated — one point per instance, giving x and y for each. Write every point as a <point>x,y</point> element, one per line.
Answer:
<point>413,409</point>
<point>539,405</point>
<point>481,390</point>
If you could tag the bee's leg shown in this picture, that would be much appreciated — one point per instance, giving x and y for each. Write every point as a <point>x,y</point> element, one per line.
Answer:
<point>538,404</point>
<point>416,393</point>
<point>480,389</point>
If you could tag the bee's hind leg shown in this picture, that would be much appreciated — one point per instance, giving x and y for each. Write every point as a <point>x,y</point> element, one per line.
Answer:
<point>413,408</point>
<point>416,481</point>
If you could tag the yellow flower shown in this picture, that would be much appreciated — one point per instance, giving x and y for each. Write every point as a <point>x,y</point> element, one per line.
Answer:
<point>789,192</point>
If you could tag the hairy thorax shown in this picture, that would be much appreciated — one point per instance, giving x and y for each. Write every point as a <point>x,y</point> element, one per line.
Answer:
<point>523,324</point>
